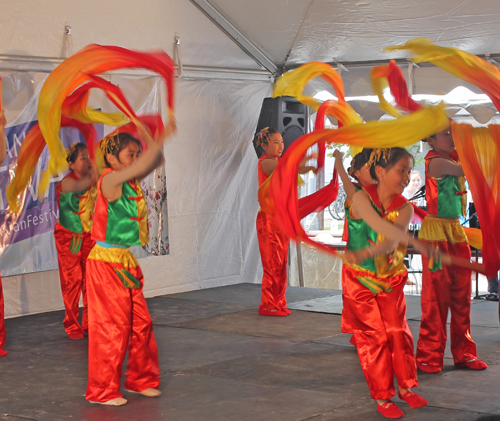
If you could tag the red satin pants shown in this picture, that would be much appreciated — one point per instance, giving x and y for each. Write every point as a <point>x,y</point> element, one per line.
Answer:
<point>273,245</point>
<point>118,317</point>
<point>2,315</point>
<point>443,290</point>
<point>383,338</point>
<point>72,276</point>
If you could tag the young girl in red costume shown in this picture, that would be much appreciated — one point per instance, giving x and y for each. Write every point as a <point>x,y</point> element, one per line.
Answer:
<point>76,199</point>
<point>3,154</point>
<point>273,244</point>
<point>360,171</point>
<point>118,313</point>
<point>450,287</point>
<point>374,276</point>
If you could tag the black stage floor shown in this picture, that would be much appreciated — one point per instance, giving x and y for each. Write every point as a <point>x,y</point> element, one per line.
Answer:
<point>220,360</point>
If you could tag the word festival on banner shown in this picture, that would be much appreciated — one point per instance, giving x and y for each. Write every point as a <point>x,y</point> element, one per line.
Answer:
<point>33,227</point>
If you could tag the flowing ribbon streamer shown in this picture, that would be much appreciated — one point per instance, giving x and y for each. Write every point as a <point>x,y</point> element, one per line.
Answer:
<point>29,154</point>
<point>479,151</point>
<point>75,106</point>
<point>279,197</point>
<point>465,66</point>
<point>478,148</point>
<point>390,76</point>
<point>292,83</point>
<point>77,114</point>
<point>79,69</point>
<point>345,115</point>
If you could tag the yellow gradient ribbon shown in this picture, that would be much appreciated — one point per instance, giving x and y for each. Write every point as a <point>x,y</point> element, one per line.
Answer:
<point>465,66</point>
<point>74,72</point>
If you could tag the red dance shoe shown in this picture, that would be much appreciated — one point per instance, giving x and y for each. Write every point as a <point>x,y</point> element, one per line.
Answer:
<point>414,400</point>
<point>426,368</point>
<point>275,313</point>
<point>3,352</point>
<point>474,364</point>
<point>285,310</point>
<point>75,336</point>
<point>390,410</point>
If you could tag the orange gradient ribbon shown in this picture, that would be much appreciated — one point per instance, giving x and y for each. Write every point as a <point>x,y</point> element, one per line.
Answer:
<point>29,154</point>
<point>75,106</point>
<point>79,69</point>
<point>478,148</point>
<point>292,84</point>
<point>390,76</point>
<point>465,66</point>
<point>279,197</point>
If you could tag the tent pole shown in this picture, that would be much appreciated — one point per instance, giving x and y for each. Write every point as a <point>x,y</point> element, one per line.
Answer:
<point>299,264</point>
<point>233,32</point>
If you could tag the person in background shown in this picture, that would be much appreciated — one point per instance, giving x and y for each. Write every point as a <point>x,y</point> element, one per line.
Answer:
<point>273,244</point>
<point>416,181</point>
<point>447,289</point>
<point>76,195</point>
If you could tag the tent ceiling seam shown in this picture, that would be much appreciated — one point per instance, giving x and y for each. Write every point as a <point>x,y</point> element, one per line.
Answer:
<point>233,32</point>
<point>399,61</point>
<point>15,63</point>
<point>295,39</point>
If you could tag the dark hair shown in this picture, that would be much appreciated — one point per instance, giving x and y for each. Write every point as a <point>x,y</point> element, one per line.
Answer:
<point>425,139</point>
<point>387,158</point>
<point>358,161</point>
<point>73,151</point>
<point>263,137</point>
<point>116,143</point>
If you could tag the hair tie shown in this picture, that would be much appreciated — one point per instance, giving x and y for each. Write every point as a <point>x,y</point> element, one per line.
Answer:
<point>378,154</point>
<point>70,151</point>
<point>262,136</point>
<point>109,143</point>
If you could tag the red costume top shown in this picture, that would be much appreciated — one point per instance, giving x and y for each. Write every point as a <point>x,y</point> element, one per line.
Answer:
<point>124,221</point>
<point>262,175</point>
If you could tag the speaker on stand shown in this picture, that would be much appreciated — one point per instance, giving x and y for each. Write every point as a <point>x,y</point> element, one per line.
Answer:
<point>285,114</point>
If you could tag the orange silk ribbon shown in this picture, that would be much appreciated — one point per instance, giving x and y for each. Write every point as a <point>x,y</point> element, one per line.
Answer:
<point>79,69</point>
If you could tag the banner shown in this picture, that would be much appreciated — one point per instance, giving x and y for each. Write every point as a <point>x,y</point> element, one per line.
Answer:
<point>27,240</point>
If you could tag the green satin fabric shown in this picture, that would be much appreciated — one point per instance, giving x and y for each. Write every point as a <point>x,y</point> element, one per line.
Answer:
<point>449,202</point>
<point>361,236</point>
<point>69,206</point>
<point>120,229</point>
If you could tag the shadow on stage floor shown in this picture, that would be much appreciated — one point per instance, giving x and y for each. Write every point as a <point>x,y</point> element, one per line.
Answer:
<point>220,360</point>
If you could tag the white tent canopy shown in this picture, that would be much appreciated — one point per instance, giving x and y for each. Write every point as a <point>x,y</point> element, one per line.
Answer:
<point>230,52</point>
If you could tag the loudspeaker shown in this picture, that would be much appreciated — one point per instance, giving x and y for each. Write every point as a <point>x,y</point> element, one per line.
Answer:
<point>285,114</point>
